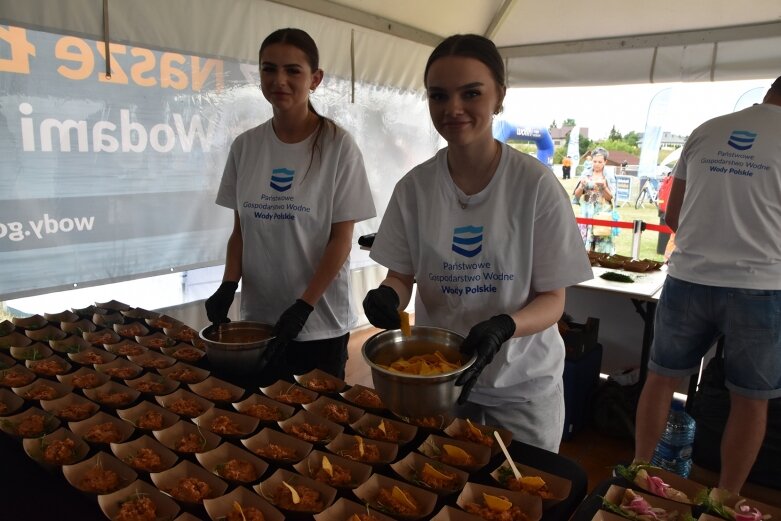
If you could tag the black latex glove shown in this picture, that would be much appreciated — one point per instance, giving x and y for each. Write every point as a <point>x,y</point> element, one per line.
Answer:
<point>289,325</point>
<point>381,306</point>
<point>484,339</point>
<point>217,305</point>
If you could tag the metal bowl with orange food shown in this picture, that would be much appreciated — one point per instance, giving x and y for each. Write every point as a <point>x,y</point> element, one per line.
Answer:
<point>416,395</point>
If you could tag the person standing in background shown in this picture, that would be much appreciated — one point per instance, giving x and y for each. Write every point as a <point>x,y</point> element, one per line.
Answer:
<point>588,164</point>
<point>486,233</point>
<point>665,241</point>
<point>724,279</point>
<point>597,188</point>
<point>566,167</point>
<point>297,185</point>
<point>586,170</point>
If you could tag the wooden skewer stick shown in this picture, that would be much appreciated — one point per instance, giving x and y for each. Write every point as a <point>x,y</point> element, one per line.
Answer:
<point>516,473</point>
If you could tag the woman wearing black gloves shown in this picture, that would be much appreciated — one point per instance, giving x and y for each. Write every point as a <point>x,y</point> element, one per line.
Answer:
<point>487,233</point>
<point>297,185</point>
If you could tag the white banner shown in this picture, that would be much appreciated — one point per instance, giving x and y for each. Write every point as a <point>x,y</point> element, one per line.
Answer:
<point>109,179</point>
<point>652,137</point>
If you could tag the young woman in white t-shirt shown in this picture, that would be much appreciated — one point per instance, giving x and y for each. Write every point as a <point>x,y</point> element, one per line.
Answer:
<point>488,235</point>
<point>297,185</point>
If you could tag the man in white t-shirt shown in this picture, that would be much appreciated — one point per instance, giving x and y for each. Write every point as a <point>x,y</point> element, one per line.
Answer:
<point>724,279</point>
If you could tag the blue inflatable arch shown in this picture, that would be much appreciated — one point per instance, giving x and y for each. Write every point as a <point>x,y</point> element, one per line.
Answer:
<point>505,130</point>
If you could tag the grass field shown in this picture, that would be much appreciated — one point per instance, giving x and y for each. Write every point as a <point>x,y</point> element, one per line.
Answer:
<point>628,213</point>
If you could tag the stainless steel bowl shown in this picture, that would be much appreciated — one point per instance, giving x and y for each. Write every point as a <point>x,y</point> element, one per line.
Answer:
<point>415,396</point>
<point>236,347</point>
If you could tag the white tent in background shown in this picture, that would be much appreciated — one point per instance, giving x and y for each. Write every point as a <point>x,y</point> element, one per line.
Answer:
<point>600,42</point>
<point>672,158</point>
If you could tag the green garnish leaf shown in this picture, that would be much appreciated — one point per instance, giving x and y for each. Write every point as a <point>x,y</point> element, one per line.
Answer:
<point>616,277</point>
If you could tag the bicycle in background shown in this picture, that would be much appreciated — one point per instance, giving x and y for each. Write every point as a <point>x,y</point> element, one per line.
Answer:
<point>649,192</point>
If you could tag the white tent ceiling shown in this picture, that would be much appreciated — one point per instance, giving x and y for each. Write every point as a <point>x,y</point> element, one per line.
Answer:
<point>386,42</point>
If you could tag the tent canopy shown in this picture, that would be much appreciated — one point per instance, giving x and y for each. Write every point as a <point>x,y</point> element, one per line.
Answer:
<point>553,43</point>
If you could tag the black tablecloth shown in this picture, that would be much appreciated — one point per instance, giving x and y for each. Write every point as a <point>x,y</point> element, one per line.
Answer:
<point>30,493</point>
<point>586,510</point>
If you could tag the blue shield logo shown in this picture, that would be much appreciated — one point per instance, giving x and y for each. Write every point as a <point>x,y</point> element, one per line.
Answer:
<point>468,240</point>
<point>742,139</point>
<point>282,179</point>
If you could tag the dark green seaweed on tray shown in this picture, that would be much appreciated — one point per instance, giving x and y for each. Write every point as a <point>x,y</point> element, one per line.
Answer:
<point>616,277</point>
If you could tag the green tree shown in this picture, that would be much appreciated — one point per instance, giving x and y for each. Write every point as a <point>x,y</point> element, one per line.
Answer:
<point>632,138</point>
<point>569,122</point>
<point>525,147</point>
<point>559,154</point>
<point>584,145</point>
<point>552,125</point>
<point>615,135</point>
<point>618,145</point>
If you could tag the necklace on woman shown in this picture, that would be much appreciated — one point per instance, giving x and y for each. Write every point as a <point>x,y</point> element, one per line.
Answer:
<point>464,203</point>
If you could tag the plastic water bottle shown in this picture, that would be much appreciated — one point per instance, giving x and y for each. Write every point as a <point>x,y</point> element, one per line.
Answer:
<point>674,451</point>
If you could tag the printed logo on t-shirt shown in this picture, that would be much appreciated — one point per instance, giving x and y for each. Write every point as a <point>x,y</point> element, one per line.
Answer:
<point>282,179</point>
<point>742,139</point>
<point>468,240</point>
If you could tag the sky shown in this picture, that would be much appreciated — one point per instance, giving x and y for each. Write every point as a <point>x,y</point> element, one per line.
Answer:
<point>626,106</point>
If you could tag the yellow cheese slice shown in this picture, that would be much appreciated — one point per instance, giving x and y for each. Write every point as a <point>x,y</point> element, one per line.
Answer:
<point>474,429</point>
<point>381,426</point>
<point>293,493</point>
<point>430,471</point>
<point>400,495</point>
<point>457,453</point>
<point>360,445</point>
<point>327,467</point>
<point>238,509</point>
<point>496,503</point>
<point>533,482</point>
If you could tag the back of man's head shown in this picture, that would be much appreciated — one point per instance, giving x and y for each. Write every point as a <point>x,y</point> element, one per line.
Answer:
<point>774,93</point>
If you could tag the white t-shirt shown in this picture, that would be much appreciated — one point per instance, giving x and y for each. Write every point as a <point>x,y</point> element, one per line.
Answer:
<point>515,238</point>
<point>729,231</point>
<point>286,208</point>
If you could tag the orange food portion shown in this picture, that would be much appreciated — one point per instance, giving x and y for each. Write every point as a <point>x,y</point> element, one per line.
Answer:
<point>422,365</point>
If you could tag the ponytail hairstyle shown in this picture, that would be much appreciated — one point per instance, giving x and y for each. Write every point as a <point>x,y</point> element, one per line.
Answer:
<point>302,41</point>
